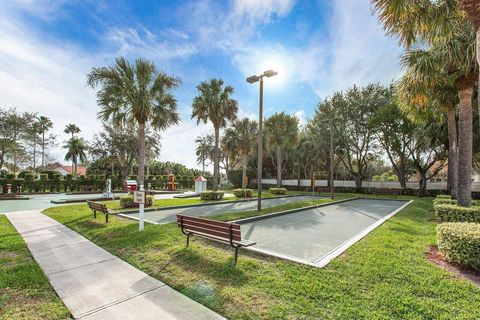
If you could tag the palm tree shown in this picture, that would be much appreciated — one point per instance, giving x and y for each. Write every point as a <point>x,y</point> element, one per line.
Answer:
<point>281,132</point>
<point>136,94</point>
<point>472,10</point>
<point>71,129</point>
<point>242,137</point>
<point>214,104</point>
<point>203,150</point>
<point>452,47</point>
<point>423,91</point>
<point>76,148</point>
<point>44,124</point>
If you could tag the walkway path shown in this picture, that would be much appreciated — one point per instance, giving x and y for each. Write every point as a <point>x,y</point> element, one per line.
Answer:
<point>95,284</point>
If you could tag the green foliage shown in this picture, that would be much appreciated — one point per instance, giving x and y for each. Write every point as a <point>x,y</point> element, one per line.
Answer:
<point>211,195</point>
<point>242,193</point>
<point>235,177</point>
<point>385,177</point>
<point>444,196</point>
<point>127,201</point>
<point>459,242</point>
<point>455,213</point>
<point>278,190</point>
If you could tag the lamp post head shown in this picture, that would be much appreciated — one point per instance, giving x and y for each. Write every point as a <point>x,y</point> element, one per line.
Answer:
<point>270,73</point>
<point>253,79</point>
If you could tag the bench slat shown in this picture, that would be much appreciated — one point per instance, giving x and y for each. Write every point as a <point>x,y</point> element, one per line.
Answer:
<point>207,227</point>
<point>224,235</point>
<point>243,242</point>
<point>235,226</point>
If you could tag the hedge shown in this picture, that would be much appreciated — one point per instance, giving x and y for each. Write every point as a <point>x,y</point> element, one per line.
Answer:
<point>455,213</point>
<point>278,190</point>
<point>444,196</point>
<point>438,201</point>
<point>127,202</point>
<point>211,195</point>
<point>459,242</point>
<point>243,193</point>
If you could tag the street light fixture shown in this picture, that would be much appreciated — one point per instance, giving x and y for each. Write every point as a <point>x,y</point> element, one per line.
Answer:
<point>253,79</point>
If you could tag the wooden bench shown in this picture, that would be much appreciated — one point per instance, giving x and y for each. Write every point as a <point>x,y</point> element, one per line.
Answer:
<point>226,232</point>
<point>95,206</point>
<point>394,192</point>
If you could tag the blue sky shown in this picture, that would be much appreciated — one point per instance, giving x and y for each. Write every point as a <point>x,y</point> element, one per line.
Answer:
<point>47,47</point>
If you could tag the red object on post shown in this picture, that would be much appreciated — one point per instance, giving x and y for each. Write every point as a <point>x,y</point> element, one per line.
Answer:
<point>171,182</point>
<point>129,185</point>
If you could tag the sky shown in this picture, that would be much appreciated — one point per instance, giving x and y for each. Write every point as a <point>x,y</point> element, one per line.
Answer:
<point>47,47</point>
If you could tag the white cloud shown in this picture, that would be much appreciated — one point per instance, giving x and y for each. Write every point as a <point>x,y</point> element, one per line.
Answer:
<point>260,11</point>
<point>142,42</point>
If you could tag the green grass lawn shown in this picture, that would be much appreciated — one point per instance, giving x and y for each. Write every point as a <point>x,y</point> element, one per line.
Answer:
<point>384,276</point>
<point>24,290</point>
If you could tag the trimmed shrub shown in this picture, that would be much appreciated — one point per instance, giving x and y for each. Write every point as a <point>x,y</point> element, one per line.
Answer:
<point>454,213</point>
<point>444,196</point>
<point>211,195</point>
<point>278,190</point>
<point>242,193</point>
<point>438,201</point>
<point>459,242</point>
<point>127,201</point>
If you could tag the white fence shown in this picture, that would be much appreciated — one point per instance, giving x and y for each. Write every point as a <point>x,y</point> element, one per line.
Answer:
<point>365,184</point>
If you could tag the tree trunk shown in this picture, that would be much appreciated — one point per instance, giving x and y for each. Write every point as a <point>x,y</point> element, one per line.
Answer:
<point>279,168</point>
<point>34,152</point>
<point>43,149</point>
<point>216,161</point>
<point>465,92</point>
<point>358,183</point>
<point>452,151</point>
<point>422,185</point>
<point>141,154</point>
<point>401,174</point>
<point>244,170</point>
<point>75,162</point>
<point>203,166</point>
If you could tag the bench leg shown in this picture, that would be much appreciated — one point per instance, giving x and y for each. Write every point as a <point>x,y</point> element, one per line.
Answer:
<point>236,255</point>
<point>95,214</point>
<point>106,217</point>
<point>188,239</point>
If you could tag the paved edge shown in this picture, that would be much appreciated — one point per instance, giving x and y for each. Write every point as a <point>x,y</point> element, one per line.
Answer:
<point>201,311</point>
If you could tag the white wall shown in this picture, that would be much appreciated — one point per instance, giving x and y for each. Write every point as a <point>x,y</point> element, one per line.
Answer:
<point>366,184</point>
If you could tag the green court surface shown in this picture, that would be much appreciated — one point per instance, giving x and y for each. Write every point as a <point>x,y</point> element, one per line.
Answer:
<point>314,236</point>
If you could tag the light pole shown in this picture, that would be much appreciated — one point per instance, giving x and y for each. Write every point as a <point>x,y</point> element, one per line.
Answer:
<point>253,79</point>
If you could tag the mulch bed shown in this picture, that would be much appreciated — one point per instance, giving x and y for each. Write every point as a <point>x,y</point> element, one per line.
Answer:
<point>434,256</point>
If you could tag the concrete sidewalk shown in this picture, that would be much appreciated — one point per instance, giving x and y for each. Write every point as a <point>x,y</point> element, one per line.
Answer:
<point>95,284</point>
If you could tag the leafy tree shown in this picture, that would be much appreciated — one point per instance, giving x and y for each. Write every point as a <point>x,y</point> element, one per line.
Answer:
<point>395,132</point>
<point>281,134</point>
<point>76,151</point>
<point>136,94</point>
<point>204,149</point>
<point>351,112</point>
<point>214,103</point>
<point>117,146</point>
<point>44,125</point>
<point>451,40</point>
<point>241,138</point>
<point>13,125</point>
<point>71,129</point>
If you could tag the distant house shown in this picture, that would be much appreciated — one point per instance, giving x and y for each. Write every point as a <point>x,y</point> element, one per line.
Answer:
<point>64,170</point>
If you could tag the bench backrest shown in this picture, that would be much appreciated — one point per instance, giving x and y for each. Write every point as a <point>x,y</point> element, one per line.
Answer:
<point>97,206</point>
<point>214,228</point>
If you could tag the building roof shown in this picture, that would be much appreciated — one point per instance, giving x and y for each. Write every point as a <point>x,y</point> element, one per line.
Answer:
<point>71,169</point>
<point>200,178</point>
